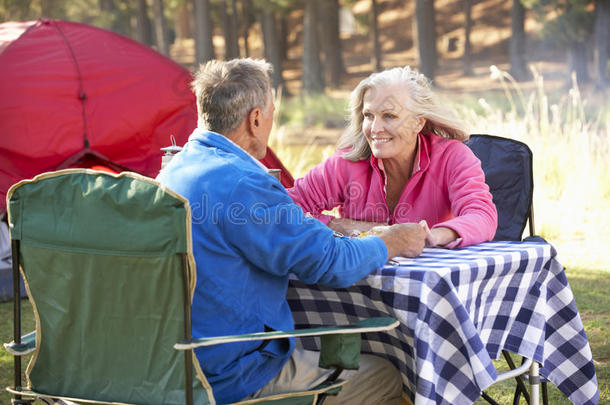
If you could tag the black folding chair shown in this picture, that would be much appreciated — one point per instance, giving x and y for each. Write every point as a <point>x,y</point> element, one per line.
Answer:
<point>508,169</point>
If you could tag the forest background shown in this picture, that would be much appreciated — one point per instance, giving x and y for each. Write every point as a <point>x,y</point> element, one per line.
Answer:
<point>534,70</point>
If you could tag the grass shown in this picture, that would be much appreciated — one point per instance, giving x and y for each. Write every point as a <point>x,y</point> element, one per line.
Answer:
<point>314,111</point>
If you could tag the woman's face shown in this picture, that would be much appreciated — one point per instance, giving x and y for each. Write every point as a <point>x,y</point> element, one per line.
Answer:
<point>389,127</point>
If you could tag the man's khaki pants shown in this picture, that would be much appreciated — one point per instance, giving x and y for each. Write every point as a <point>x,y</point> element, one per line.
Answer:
<point>377,381</point>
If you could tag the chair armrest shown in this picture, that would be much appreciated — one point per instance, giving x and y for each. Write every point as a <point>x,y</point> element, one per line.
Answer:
<point>27,345</point>
<point>366,325</point>
<point>507,375</point>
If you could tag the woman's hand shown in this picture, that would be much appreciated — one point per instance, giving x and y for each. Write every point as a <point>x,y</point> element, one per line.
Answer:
<point>440,236</point>
<point>351,227</point>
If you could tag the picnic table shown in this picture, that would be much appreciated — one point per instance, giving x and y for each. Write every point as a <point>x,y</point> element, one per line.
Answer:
<point>458,309</point>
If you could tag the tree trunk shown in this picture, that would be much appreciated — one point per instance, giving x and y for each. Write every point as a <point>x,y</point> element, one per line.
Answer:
<point>267,24</point>
<point>143,25</point>
<point>160,27</point>
<point>204,47</point>
<point>271,45</point>
<point>21,10</point>
<point>107,5</point>
<point>229,29</point>
<point>245,12</point>
<point>313,81</point>
<point>376,57</point>
<point>234,25</point>
<point>47,7</point>
<point>467,45</point>
<point>577,58</point>
<point>601,42</point>
<point>283,36</point>
<point>333,63</point>
<point>518,66</point>
<point>117,20</point>
<point>224,23</point>
<point>426,37</point>
<point>183,21</point>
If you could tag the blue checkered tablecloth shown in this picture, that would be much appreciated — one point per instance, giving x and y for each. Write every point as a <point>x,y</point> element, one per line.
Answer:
<point>458,309</point>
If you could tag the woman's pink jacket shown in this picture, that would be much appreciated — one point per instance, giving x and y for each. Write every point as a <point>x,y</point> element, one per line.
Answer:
<point>447,188</point>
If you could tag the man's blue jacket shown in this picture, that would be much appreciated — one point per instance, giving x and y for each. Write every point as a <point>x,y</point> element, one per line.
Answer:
<point>248,236</point>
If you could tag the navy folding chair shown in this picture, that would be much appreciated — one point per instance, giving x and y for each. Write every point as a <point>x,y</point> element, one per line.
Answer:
<point>508,169</point>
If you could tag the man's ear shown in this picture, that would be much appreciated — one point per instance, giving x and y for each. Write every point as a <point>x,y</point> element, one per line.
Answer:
<point>254,120</point>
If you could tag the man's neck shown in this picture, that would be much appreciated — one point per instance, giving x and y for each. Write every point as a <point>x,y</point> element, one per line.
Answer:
<point>240,140</point>
<point>240,137</point>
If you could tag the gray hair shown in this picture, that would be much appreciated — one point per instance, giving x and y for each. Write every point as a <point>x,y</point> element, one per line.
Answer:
<point>227,90</point>
<point>419,100</point>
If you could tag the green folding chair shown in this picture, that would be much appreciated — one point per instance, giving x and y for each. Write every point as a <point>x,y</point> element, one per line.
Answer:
<point>109,270</point>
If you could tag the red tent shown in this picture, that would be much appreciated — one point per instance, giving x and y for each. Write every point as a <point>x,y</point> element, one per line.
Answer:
<point>76,95</point>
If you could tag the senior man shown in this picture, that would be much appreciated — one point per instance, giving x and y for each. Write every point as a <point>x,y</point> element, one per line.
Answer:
<point>248,236</point>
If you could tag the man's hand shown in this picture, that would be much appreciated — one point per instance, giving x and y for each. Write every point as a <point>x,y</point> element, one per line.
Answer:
<point>407,239</point>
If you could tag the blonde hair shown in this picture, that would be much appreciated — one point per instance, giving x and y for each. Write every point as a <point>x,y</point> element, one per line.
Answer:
<point>420,100</point>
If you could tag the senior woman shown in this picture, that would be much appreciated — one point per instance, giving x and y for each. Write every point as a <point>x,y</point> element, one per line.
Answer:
<point>401,160</point>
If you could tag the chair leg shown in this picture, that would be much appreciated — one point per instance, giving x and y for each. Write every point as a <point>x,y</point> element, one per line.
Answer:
<point>488,398</point>
<point>18,400</point>
<point>333,377</point>
<point>520,389</point>
<point>188,354</point>
<point>22,401</point>
<point>534,379</point>
<point>517,396</point>
<point>545,394</point>
<point>17,378</point>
